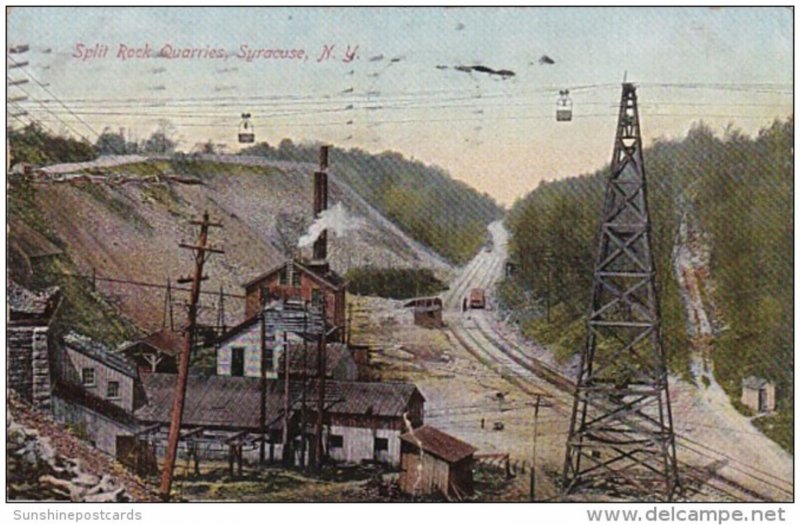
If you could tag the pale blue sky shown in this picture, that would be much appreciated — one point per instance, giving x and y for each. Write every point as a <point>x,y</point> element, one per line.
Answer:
<point>498,135</point>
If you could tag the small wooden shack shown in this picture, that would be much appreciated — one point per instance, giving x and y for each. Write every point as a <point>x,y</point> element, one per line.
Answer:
<point>433,462</point>
<point>427,311</point>
<point>158,352</point>
<point>758,394</point>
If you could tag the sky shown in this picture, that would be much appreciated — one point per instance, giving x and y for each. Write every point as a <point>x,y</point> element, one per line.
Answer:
<point>389,80</point>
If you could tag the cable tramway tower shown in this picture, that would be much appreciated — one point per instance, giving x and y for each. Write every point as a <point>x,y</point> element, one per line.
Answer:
<point>621,434</point>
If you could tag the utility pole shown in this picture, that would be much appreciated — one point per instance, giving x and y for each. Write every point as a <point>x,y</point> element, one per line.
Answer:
<point>321,351</point>
<point>201,252</point>
<point>349,323</point>
<point>621,430</point>
<point>262,422</point>
<point>535,436</point>
<point>221,311</point>
<point>303,444</point>
<point>287,453</point>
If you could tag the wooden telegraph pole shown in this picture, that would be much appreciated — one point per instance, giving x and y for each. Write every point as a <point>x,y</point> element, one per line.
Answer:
<point>533,458</point>
<point>200,251</point>
<point>321,351</point>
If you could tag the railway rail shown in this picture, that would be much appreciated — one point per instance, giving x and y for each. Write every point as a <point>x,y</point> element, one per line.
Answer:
<point>478,335</point>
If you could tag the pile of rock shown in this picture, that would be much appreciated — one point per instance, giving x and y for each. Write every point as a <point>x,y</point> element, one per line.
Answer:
<point>36,472</point>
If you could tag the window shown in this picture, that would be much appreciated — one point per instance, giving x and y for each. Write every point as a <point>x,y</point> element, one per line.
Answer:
<point>112,391</point>
<point>381,444</point>
<point>296,279</point>
<point>237,361</point>
<point>335,441</point>
<point>87,377</point>
<point>316,297</point>
<point>269,357</point>
<point>283,277</point>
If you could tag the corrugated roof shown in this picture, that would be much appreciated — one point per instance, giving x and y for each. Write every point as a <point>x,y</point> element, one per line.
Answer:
<point>212,401</point>
<point>436,442</point>
<point>100,352</point>
<point>377,399</point>
<point>167,341</point>
<point>234,402</point>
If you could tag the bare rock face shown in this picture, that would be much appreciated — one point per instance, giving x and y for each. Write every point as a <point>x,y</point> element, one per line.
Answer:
<point>36,472</point>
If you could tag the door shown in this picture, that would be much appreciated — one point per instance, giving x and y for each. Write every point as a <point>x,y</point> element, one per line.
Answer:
<point>237,361</point>
<point>762,400</point>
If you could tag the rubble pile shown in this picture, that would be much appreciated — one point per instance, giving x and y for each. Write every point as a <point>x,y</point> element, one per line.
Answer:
<point>46,462</point>
<point>37,472</point>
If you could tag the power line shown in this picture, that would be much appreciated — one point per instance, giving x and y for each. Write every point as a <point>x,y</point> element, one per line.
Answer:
<point>46,89</point>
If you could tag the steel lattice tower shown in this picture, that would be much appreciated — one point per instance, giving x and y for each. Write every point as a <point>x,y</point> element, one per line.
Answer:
<point>621,436</point>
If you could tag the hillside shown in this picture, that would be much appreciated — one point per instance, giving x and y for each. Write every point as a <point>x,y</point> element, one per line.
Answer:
<point>123,218</point>
<point>444,214</point>
<point>737,191</point>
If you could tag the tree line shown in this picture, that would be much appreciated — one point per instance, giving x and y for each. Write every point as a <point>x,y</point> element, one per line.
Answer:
<point>738,188</point>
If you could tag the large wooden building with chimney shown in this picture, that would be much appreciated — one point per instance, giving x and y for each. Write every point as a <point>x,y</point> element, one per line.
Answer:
<point>307,281</point>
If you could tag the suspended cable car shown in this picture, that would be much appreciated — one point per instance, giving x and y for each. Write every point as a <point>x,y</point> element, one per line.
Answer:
<point>246,131</point>
<point>564,106</point>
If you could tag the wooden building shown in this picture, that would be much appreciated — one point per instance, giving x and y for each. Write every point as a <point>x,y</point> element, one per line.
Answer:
<point>758,394</point>
<point>305,281</point>
<point>427,311</point>
<point>433,462</point>
<point>363,421</point>
<point>99,372</point>
<point>96,391</point>
<point>238,353</point>
<point>158,352</point>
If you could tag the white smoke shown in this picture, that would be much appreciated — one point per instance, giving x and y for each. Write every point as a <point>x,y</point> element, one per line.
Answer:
<point>336,220</point>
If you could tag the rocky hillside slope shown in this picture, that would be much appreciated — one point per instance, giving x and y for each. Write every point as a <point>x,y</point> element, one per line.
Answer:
<point>124,217</point>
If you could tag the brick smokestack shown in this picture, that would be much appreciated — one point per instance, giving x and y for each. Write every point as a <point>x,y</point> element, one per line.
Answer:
<point>321,203</point>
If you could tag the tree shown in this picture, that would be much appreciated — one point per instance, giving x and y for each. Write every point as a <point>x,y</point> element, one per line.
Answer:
<point>110,143</point>
<point>34,145</point>
<point>162,140</point>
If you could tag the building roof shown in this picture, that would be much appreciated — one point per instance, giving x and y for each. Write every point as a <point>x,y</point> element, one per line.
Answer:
<point>166,341</point>
<point>328,278</point>
<point>234,402</point>
<point>212,401</point>
<point>371,399</point>
<point>100,352</point>
<point>235,330</point>
<point>436,442</point>
<point>27,302</point>
<point>754,382</point>
<point>335,354</point>
<point>425,304</point>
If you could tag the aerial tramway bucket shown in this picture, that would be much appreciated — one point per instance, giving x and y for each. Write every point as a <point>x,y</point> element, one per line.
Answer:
<point>246,131</point>
<point>564,106</point>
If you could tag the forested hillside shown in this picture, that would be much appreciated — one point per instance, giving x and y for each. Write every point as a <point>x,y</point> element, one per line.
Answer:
<point>740,189</point>
<point>437,210</point>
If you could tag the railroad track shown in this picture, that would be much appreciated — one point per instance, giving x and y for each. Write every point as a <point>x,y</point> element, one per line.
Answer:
<point>496,351</point>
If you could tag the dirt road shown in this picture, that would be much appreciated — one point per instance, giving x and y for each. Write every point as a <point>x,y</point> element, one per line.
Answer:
<point>723,458</point>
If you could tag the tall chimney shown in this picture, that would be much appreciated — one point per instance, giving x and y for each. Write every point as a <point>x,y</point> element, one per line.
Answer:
<point>321,203</point>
